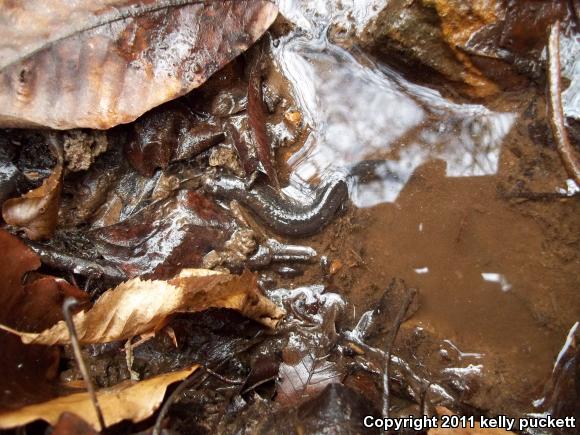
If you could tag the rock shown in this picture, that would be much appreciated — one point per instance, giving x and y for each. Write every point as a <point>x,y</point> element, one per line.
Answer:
<point>480,46</point>
<point>81,148</point>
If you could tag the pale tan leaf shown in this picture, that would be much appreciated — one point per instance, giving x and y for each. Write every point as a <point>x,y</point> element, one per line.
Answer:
<point>137,307</point>
<point>36,212</point>
<point>99,63</point>
<point>125,401</point>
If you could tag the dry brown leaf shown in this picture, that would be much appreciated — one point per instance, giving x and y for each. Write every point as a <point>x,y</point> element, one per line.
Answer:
<point>36,211</point>
<point>99,63</point>
<point>136,307</point>
<point>28,373</point>
<point>125,401</point>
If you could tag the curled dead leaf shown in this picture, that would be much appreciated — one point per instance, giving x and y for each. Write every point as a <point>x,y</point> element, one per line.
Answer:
<point>136,307</point>
<point>36,211</point>
<point>125,401</point>
<point>99,63</point>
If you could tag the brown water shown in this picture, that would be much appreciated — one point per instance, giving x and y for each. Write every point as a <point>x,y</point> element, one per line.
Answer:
<point>497,271</point>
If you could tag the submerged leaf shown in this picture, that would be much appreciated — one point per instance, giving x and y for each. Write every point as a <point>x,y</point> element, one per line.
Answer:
<point>100,63</point>
<point>36,212</point>
<point>137,307</point>
<point>305,378</point>
<point>125,401</point>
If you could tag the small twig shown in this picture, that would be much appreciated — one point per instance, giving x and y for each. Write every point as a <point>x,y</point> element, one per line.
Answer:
<point>398,320</point>
<point>555,110</point>
<point>223,378</point>
<point>129,360</point>
<point>66,307</point>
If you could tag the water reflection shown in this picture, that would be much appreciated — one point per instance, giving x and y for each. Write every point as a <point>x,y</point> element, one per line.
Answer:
<point>359,110</point>
<point>570,59</point>
<point>497,278</point>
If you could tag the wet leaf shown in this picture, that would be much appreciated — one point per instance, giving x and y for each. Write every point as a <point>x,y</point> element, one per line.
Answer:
<point>36,212</point>
<point>28,372</point>
<point>239,134</point>
<point>137,307</point>
<point>257,121</point>
<point>100,63</point>
<point>305,379</point>
<point>163,238</point>
<point>125,401</point>
<point>309,362</point>
<point>167,134</point>
<point>337,409</point>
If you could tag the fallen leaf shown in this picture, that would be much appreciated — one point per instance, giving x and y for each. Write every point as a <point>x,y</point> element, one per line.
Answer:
<point>36,212</point>
<point>168,134</point>
<point>305,378</point>
<point>165,237</point>
<point>309,361</point>
<point>125,401</point>
<point>97,64</point>
<point>28,372</point>
<point>257,121</point>
<point>239,134</point>
<point>137,307</point>
<point>336,410</point>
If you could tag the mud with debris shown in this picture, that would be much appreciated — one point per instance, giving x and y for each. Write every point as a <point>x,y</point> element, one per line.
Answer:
<point>453,187</point>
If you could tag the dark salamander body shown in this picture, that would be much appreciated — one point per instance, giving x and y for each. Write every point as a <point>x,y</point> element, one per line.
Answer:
<point>281,214</point>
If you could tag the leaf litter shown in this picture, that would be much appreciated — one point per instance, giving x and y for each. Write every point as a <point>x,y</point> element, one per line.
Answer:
<point>133,401</point>
<point>130,216</point>
<point>138,307</point>
<point>119,59</point>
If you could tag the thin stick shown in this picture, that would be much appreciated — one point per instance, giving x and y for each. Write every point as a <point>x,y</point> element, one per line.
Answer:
<point>398,320</point>
<point>223,378</point>
<point>66,307</point>
<point>555,110</point>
